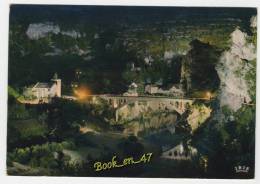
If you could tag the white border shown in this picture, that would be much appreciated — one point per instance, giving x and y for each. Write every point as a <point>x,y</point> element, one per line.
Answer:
<point>4,21</point>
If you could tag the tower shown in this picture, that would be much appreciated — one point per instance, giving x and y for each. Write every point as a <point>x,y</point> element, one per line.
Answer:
<point>57,81</point>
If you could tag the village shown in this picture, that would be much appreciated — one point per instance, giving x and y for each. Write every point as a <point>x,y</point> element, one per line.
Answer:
<point>153,99</point>
<point>87,83</point>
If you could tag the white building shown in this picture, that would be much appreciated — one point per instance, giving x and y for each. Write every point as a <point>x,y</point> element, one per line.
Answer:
<point>135,69</point>
<point>45,90</point>
<point>151,89</point>
<point>132,90</point>
<point>180,152</point>
<point>173,91</point>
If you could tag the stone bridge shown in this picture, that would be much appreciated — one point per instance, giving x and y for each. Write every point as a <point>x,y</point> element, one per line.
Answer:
<point>153,102</point>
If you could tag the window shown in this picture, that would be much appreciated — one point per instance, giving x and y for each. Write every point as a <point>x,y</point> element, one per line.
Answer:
<point>175,153</point>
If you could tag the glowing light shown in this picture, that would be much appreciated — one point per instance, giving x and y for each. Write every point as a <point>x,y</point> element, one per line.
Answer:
<point>82,93</point>
<point>208,95</point>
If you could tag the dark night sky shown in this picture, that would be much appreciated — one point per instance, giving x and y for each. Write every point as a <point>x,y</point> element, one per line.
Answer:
<point>133,14</point>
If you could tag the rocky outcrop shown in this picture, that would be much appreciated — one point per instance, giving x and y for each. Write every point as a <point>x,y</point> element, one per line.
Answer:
<point>198,67</point>
<point>36,31</point>
<point>40,30</point>
<point>199,114</point>
<point>71,33</point>
<point>232,69</point>
<point>154,123</point>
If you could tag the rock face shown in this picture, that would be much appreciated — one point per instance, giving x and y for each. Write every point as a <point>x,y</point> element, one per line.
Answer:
<point>71,33</point>
<point>154,123</point>
<point>198,67</point>
<point>40,30</point>
<point>232,69</point>
<point>198,115</point>
<point>253,22</point>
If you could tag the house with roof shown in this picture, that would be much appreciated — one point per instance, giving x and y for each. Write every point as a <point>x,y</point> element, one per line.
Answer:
<point>132,90</point>
<point>180,152</point>
<point>151,89</point>
<point>42,91</point>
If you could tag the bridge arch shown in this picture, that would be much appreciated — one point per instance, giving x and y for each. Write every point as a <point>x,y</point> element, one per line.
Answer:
<point>167,104</point>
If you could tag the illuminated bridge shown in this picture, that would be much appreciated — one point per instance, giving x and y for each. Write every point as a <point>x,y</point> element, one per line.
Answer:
<point>145,103</point>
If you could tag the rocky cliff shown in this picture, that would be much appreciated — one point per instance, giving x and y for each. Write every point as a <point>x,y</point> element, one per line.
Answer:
<point>233,68</point>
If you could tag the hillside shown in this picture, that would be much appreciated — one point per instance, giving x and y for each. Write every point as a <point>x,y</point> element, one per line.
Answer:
<point>112,41</point>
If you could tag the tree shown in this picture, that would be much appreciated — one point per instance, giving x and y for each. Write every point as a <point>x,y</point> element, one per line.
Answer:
<point>131,147</point>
